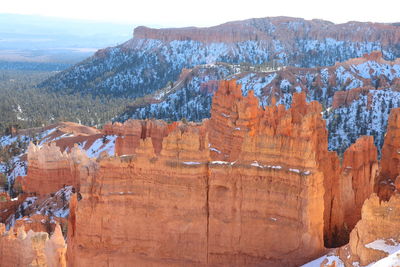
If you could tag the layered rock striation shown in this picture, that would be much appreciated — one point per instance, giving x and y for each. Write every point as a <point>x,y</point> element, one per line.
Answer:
<point>376,235</point>
<point>221,192</point>
<point>50,169</point>
<point>131,132</point>
<point>358,178</point>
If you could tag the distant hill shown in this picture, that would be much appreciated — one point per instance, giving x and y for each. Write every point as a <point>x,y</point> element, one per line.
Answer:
<point>154,57</point>
<point>29,38</point>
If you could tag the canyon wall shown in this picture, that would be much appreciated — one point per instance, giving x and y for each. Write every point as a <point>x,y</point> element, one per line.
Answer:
<point>208,194</point>
<point>221,192</point>
<point>132,131</point>
<point>357,179</point>
<point>390,151</point>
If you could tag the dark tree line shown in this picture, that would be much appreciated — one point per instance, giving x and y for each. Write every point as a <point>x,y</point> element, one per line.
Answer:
<point>23,105</point>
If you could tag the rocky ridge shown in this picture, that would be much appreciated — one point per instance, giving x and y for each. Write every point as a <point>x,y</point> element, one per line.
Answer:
<point>154,57</point>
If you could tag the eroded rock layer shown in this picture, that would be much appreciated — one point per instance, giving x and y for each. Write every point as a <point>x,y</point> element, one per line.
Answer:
<point>50,170</point>
<point>131,132</point>
<point>376,233</point>
<point>274,28</point>
<point>31,248</point>
<point>219,193</point>
<point>359,170</point>
<point>222,192</point>
<point>388,181</point>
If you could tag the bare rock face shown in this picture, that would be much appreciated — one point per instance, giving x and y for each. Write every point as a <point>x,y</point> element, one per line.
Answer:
<point>144,209</point>
<point>240,232</point>
<point>377,231</point>
<point>32,248</point>
<point>359,170</point>
<point>390,162</point>
<point>220,193</point>
<point>132,131</point>
<point>50,170</point>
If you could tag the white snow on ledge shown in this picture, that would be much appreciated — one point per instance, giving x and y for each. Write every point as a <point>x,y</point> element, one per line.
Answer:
<point>258,165</point>
<point>389,246</point>
<point>391,260</point>
<point>330,258</point>
<point>191,163</point>
<point>225,115</point>
<point>223,162</point>
<point>216,150</point>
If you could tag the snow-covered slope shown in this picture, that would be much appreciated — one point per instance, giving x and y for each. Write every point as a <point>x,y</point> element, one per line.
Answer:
<point>357,95</point>
<point>153,57</point>
<point>66,135</point>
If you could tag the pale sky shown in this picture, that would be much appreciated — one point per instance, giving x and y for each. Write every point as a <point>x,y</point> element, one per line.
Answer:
<point>179,13</point>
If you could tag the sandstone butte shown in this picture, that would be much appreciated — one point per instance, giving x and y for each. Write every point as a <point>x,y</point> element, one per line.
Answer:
<point>247,187</point>
<point>50,170</point>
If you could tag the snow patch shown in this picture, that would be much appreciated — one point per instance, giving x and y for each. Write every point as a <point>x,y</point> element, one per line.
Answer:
<point>389,246</point>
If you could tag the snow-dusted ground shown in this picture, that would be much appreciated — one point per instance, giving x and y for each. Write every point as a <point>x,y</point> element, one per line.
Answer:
<point>389,246</point>
<point>99,146</point>
<point>345,124</point>
<point>54,206</point>
<point>329,259</point>
<point>142,66</point>
<point>393,260</point>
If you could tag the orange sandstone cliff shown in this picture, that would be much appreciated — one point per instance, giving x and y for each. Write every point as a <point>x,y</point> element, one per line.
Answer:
<point>388,181</point>
<point>220,193</point>
<point>212,195</point>
<point>357,179</point>
<point>223,192</point>
<point>375,234</point>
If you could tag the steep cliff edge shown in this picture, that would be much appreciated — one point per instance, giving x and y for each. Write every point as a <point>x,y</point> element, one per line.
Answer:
<point>357,179</point>
<point>221,192</point>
